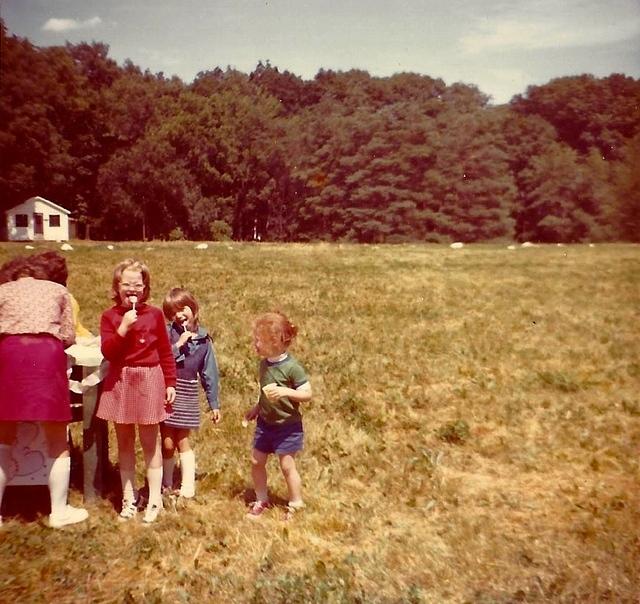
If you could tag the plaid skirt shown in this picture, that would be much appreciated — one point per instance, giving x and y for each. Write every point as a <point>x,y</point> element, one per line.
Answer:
<point>33,379</point>
<point>133,395</point>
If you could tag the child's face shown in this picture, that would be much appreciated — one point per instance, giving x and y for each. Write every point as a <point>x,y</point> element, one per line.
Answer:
<point>184,315</point>
<point>265,348</point>
<point>131,284</point>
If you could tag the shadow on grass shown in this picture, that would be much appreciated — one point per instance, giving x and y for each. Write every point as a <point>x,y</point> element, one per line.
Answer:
<point>25,503</point>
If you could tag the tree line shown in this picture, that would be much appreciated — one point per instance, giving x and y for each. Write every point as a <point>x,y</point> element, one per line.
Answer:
<point>345,156</point>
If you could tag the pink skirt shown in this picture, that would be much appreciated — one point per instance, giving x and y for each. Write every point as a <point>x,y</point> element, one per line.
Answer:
<point>33,379</point>
<point>133,395</point>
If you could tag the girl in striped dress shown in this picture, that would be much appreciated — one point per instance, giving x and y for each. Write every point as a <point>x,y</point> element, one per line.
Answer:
<point>140,384</point>
<point>195,361</point>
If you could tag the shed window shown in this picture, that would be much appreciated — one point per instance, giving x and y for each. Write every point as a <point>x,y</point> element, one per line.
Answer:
<point>54,220</point>
<point>22,220</point>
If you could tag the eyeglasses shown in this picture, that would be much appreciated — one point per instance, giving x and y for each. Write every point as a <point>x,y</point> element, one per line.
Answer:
<point>136,286</point>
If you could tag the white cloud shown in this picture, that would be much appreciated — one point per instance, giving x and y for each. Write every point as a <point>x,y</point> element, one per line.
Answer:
<point>59,25</point>
<point>511,34</point>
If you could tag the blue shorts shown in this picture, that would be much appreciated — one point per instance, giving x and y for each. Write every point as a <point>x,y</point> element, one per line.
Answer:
<point>280,438</point>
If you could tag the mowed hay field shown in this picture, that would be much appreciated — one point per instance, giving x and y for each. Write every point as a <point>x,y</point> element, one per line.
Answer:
<point>474,434</point>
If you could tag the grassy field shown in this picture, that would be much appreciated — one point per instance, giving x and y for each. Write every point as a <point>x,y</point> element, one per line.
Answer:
<point>474,434</point>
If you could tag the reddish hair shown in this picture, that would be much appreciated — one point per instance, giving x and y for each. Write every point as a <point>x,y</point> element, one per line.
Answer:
<point>133,265</point>
<point>176,299</point>
<point>275,329</point>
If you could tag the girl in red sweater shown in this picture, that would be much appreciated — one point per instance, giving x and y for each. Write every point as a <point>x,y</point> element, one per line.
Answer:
<point>140,384</point>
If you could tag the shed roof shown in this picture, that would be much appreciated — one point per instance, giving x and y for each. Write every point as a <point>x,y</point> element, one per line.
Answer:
<point>55,206</point>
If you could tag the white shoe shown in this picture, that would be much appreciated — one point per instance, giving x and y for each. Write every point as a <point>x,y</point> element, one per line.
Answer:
<point>129,510</point>
<point>151,513</point>
<point>70,515</point>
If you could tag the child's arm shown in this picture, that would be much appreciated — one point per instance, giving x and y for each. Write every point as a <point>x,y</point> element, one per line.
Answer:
<point>176,348</point>
<point>128,319</point>
<point>301,391</point>
<point>209,378</point>
<point>112,344</point>
<point>67,326</point>
<point>301,394</point>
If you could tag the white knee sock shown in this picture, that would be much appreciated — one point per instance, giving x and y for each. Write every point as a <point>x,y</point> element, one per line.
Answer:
<point>188,472</point>
<point>5,461</point>
<point>128,481</point>
<point>59,484</point>
<point>167,471</point>
<point>154,479</point>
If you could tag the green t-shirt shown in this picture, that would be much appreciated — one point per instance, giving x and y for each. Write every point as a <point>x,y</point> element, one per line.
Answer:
<point>288,373</point>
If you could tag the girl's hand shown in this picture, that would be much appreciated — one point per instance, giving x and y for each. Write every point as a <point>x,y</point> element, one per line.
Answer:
<point>252,413</point>
<point>185,336</point>
<point>273,392</point>
<point>216,416</point>
<point>171,394</point>
<point>128,319</point>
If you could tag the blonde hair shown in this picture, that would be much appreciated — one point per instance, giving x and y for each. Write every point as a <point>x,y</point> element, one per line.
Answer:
<point>133,265</point>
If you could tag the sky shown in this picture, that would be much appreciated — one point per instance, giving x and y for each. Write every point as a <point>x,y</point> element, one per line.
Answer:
<point>501,46</point>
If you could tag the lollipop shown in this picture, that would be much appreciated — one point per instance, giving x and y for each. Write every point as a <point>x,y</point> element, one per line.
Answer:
<point>133,300</point>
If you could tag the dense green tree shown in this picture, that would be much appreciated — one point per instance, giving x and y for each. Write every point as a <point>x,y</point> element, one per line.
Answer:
<point>356,89</point>
<point>220,156</point>
<point>232,145</point>
<point>45,110</point>
<point>594,117</point>
<point>624,211</point>
<point>150,200</point>
<point>562,199</point>
<point>415,169</point>
<point>291,91</point>
<point>587,111</point>
<point>470,190</point>
<point>94,63</point>
<point>93,143</point>
<point>344,156</point>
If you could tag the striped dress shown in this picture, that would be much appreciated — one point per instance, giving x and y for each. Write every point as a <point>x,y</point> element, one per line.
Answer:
<point>195,362</point>
<point>186,407</point>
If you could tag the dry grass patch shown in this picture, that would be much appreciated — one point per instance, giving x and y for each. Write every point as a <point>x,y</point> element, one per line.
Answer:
<point>474,435</point>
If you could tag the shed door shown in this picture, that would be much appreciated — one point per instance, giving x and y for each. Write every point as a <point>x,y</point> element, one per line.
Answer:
<point>38,224</point>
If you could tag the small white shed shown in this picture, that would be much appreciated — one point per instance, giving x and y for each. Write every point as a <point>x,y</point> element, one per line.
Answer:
<point>38,219</point>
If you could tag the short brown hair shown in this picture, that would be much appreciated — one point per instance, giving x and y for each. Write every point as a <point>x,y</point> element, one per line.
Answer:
<point>134,265</point>
<point>14,269</point>
<point>54,264</point>
<point>35,266</point>
<point>275,328</point>
<point>176,299</point>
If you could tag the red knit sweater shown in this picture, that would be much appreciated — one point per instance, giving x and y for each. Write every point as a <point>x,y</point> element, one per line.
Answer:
<point>146,343</point>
